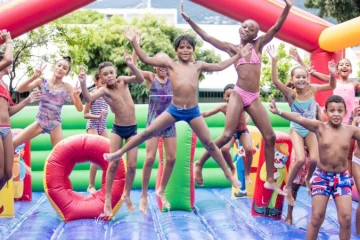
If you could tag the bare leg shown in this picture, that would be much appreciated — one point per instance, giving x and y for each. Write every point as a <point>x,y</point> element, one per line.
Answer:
<point>130,176</point>
<point>356,175</point>
<point>344,209</point>
<point>56,135</point>
<point>312,144</point>
<point>198,125</point>
<point>28,133</point>
<point>298,145</point>
<point>225,150</point>
<point>115,144</point>
<point>294,190</point>
<point>170,150</point>
<point>261,120</point>
<point>318,210</point>
<point>161,122</point>
<point>234,109</point>
<point>151,147</point>
<point>6,150</point>
<point>246,141</point>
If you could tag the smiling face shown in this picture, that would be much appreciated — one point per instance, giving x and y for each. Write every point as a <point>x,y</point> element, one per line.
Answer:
<point>249,30</point>
<point>62,68</point>
<point>299,77</point>
<point>185,51</point>
<point>344,68</point>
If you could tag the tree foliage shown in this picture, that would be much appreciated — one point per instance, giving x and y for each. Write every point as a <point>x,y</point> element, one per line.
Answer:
<point>341,10</point>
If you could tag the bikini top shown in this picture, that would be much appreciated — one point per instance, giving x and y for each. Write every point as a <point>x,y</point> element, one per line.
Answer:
<point>254,58</point>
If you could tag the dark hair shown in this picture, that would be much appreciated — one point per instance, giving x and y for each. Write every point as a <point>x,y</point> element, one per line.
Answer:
<point>298,67</point>
<point>229,86</point>
<point>104,64</point>
<point>335,99</point>
<point>1,55</point>
<point>97,76</point>
<point>185,37</point>
<point>68,59</point>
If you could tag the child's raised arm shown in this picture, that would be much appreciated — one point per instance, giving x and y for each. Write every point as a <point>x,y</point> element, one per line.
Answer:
<point>214,67</point>
<point>214,111</point>
<point>33,97</point>
<point>287,92</point>
<point>332,84</point>
<point>269,35</point>
<point>75,97</point>
<point>8,54</point>
<point>138,77</point>
<point>85,92</point>
<point>157,62</point>
<point>224,46</point>
<point>311,125</point>
<point>34,81</point>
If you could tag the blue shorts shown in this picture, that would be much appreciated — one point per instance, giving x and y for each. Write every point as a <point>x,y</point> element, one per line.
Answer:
<point>335,184</point>
<point>183,114</point>
<point>124,131</point>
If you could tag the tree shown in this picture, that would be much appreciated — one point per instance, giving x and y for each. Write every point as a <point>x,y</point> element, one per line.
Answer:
<point>341,10</point>
<point>267,89</point>
<point>103,41</point>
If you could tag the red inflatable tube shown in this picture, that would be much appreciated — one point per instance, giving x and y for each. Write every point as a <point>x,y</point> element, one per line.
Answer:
<point>69,204</point>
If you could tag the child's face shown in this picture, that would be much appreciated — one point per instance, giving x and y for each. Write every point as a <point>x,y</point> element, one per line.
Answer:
<point>61,68</point>
<point>248,30</point>
<point>227,94</point>
<point>335,113</point>
<point>99,83</point>
<point>162,72</point>
<point>344,68</point>
<point>185,51</point>
<point>108,75</point>
<point>300,78</point>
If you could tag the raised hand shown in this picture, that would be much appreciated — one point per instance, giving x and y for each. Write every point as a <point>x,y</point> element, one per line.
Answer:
<point>129,33</point>
<point>356,112</point>
<point>332,67</point>
<point>289,3</point>
<point>273,108</point>
<point>138,37</point>
<point>271,50</point>
<point>311,70</point>
<point>244,51</point>
<point>76,93</point>
<point>294,54</point>
<point>5,35</point>
<point>128,59</point>
<point>34,96</point>
<point>82,75</point>
<point>39,70</point>
<point>183,14</point>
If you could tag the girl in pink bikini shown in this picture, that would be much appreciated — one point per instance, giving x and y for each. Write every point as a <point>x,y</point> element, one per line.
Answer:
<point>246,92</point>
<point>7,109</point>
<point>54,93</point>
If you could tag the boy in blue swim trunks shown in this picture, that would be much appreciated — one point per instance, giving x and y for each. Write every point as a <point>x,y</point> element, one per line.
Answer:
<point>184,77</point>
<point>331,177</point>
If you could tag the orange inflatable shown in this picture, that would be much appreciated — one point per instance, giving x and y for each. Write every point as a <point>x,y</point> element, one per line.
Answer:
<point>69,204</point>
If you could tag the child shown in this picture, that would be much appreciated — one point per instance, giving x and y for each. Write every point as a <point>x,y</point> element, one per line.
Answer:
<point>116,93</point>
<point>301,101</point>
<point>241,133</point>
<point>96,112</point>
<point>246,92</point>
<point>160,96</point>
<point>331,176</point>
<point>7,109</point>
<point>54,93</point>
<point>300,179</point>
<point>356,167</point>
<point>184,77</point>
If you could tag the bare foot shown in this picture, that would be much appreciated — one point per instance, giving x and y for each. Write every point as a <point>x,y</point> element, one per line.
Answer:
<point>248,179</point>
<point>289,221</point>
<point>91,189</point>
<point>234,182</point>
<point>111,156</point>
<point>143,205</point>
<point>163,200</point>
<point>289,197</point>
<point>273,186</point>
<point>130,206</point>
<point>107,208</point>
<point>308,186</point>
<point>198,174</point>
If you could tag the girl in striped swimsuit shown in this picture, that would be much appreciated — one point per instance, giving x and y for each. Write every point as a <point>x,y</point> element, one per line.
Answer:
<point>54,93</point>
<point>302,101</point>
<point>160,96</point>
<point>96,112</point>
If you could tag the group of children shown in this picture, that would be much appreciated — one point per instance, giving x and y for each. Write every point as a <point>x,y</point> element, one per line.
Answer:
<point>173,97</point>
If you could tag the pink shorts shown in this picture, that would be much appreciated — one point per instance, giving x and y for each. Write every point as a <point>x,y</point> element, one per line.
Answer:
<point>247,97</point>
<point>301,176</point>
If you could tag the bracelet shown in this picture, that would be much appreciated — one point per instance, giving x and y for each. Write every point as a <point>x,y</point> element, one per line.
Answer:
<point>279,112</point>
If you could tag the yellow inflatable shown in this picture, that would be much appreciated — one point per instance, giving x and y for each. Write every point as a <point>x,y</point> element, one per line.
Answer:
<point>7,200</point>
